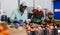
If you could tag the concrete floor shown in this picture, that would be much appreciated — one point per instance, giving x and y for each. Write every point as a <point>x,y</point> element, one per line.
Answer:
<point>18,31</point>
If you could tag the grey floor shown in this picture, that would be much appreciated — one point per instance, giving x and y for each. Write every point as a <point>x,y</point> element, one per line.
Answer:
<point>17,31</point>
<point>20,31</point>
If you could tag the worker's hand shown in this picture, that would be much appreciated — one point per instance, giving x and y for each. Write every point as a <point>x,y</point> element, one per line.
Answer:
<point>22,20</point>
<point>42,19</point>
<point>29,20</point>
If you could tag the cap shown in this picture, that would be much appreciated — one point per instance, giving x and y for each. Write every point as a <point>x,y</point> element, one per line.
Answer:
<point>24,4</point>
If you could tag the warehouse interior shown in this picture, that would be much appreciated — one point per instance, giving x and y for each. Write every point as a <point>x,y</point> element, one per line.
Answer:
<point>15,22</point>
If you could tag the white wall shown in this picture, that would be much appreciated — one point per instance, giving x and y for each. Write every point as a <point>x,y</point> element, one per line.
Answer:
<point>0,4</point>
<point>28,2</point>
<point>0,9</point>
<point>44,3</point>
<point>9,5</point>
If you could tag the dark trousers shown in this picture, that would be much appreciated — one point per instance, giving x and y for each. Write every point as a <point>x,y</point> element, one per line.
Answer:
<point>54,31</point>
<point>33,32</point>
<point>44,32</point>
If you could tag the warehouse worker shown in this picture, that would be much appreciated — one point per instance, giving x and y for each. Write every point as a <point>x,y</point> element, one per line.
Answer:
<point>20,13</point>
<point>38,15</point>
